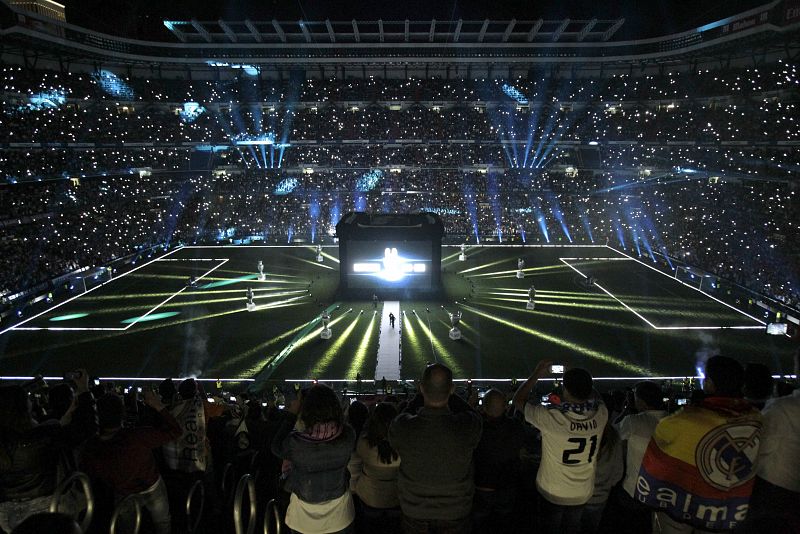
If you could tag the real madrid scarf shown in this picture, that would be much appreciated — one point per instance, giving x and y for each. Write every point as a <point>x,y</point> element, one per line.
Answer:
<point>699,467</point>
<point>188,453</point>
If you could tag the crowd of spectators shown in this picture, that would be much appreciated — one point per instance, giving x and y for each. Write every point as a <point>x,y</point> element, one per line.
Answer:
<point>510,458</point>
<point>452,129</point>
<point>699,166</point>
<point>740,231</point>
<point>677,83</point>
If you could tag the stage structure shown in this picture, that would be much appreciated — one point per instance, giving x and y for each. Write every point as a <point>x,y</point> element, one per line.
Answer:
<point>391,256</point>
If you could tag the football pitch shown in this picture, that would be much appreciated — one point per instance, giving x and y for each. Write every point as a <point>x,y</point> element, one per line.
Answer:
<point>635,321</point>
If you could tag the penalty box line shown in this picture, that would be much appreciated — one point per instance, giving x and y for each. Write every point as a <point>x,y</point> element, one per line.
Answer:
<point>712,297</point>
<point>650,323</point>
<point>192,259</point>
<point>142,317</point>
<point>112,329</point>
<point>18,325</point>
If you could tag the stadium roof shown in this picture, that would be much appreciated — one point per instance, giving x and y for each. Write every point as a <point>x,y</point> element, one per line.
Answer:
<point>142,19</point>
<point>389,48</point>
<point>402,31</point>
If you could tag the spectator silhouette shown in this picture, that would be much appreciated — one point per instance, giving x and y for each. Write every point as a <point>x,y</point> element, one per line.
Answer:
<point>435,438</point>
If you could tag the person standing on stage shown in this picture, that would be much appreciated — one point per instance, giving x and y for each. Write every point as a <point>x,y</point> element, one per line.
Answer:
<point>391,320</point>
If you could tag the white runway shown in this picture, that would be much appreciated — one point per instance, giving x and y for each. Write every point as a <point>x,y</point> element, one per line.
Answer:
<point>388,365</point>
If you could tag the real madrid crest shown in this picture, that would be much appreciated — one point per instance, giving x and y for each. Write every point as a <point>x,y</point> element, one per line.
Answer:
<point>726,456</point>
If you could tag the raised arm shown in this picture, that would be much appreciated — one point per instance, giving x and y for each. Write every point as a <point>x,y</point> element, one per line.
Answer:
<point>524,391</point>
<point>280,445</point>
<point>80,421</point>
<point>168,428</point>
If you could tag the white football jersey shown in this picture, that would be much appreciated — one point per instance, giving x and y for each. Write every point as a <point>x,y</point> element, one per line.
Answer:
<point>571,437</point>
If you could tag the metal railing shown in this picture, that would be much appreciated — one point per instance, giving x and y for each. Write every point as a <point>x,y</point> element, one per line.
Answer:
<point>64,489</point>
<point>118,510</point>
<point>226,482</point>
<point>192,524</point>
<point>246,483</point>
<point>274,512</point>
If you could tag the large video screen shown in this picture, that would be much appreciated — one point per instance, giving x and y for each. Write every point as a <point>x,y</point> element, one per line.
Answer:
<point>389,264</point>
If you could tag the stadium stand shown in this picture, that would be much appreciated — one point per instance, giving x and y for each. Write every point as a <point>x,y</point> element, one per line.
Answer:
<point>684,160</point>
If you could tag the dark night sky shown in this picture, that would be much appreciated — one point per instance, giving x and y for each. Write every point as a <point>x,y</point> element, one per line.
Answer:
<point>644,18</point>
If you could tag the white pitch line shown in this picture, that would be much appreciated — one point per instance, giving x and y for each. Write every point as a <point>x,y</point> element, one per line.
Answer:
<point>595,259</point>
<point>134,378</point>
<point>142,317</point>
<point>67,328</point>
<point>501,245</point>
<point>712,297</point>
<point>257,246</point>
<point>640,316</point>
<point>307,380</point>
<point>563,260</point>
<point>637,314</point>
<point>190,259</point>
<point>138,319</point>
<point>710,327</point>
<point>116,329</point>
<point>15,327</point>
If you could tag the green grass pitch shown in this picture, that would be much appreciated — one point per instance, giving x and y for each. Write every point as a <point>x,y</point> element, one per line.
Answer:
<point>147,323</point>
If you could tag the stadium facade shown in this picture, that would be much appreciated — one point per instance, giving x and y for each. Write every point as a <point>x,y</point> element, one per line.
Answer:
<point>402,49</point>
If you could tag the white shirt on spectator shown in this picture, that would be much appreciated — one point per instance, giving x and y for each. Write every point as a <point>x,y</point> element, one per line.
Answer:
<point>780,443</point>
<point>321,517</point>
<point>570,443</point>
<point>637,429</point>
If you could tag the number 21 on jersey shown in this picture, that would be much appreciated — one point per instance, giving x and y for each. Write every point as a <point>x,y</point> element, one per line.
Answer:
<point>571,456</point>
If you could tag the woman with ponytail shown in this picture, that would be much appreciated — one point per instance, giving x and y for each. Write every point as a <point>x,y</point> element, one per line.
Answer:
<point>377,485</point>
